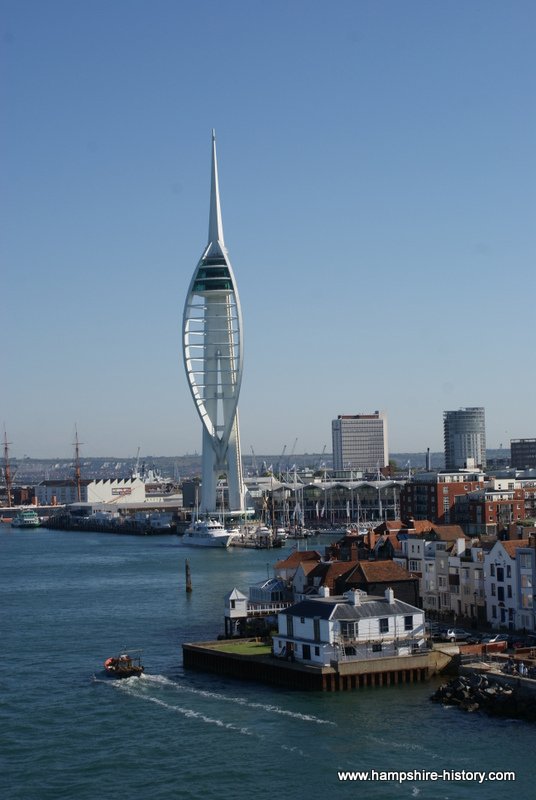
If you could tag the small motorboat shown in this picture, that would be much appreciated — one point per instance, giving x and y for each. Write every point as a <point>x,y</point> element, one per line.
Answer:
<point>124,666</point>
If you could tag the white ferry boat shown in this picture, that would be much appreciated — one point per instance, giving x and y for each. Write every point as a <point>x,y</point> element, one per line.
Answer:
<point>26,519</point>
<point>207,533</point>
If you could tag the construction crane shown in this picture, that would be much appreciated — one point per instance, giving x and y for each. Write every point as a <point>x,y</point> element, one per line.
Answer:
<point>281,460</point>
<point>255,468</point>
<point>77,473</point>
<point>320,460</point>
<point>7,469</point>
<point>136,473</point>
<point>293,449</point>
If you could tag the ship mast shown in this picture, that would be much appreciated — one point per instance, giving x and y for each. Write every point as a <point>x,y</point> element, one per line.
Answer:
<point>7,469</point>
<point>77,474</point>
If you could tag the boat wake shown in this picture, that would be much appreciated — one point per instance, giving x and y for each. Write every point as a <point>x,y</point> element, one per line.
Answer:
<point>241,701</point>
<point>136,687</point>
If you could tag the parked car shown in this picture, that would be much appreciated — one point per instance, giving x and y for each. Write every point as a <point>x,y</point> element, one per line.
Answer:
<point>456,635</point>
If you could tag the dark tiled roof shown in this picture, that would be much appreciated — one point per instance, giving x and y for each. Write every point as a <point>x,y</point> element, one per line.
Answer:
<point>340,608</point>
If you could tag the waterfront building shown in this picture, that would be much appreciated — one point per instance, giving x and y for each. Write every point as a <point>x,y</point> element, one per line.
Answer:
<point>213,359</point>
<point>322,502</point>
<point>523,453</point>
<point>469,601</point>
<point>65,492</point>
<point>360,442</point>
<point>502,576</point>
<point>355,626</point>
<point>526,581</point>
<point>465,438</point>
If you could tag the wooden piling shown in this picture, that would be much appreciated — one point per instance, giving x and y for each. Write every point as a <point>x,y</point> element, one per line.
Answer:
<point>188,577</point>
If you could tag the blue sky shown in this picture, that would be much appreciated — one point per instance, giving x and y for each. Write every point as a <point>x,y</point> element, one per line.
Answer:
<point>377,174</point>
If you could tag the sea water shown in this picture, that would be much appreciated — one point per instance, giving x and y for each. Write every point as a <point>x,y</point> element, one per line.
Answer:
<point>70,600</point>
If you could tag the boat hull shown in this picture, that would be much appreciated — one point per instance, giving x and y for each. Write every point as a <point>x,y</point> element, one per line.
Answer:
<point>123,667</point>
<point>209,541</point>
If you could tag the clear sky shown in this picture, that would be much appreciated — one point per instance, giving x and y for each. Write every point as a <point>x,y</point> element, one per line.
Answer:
<point>377,175</point>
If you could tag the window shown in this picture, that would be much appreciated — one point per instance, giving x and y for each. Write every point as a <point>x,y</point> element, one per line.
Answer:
<point>493,589</point>
<point>508,571</point>
<point>500,574</point>
<point>384,625</point>
<point>306,652</point>
<point>509,591</point>
<point>316,629</point>
<point>302,620</point>
<point>349,629</point>
<point>408,623</point>
<point>377,648</point>
<point>290,625</point>
<point>492,570</point>
<point>233,603</point>
<point>494,612</point>
<point>317,651</point>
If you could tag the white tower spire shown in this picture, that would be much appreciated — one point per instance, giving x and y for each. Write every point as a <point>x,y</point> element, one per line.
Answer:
<point>213,356</point>
<point>215,226</point>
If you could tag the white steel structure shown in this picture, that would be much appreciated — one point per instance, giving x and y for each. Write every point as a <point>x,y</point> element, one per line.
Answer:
<point>213,356</point>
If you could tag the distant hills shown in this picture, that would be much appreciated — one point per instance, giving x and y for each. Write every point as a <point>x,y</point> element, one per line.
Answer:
<point>33,470</point>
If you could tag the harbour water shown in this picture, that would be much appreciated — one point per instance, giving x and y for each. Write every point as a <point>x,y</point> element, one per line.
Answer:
<point>70,600</point>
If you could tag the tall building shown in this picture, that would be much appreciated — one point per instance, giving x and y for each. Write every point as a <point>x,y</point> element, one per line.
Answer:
<point>465,438</point>
<point>523,453</point>
<point>213,359</point>
<point>360,441</point>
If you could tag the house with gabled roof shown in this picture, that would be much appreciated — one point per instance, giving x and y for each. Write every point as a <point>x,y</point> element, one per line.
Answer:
<point>502,579</point>
<point>287,567</point>
<point>374,577</point>
<point>353,626</point>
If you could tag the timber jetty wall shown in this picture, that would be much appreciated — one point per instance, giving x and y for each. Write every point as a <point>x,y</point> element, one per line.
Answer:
<point>342,676</point>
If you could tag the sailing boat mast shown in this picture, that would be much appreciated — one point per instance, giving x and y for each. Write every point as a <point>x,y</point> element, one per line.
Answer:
<point>77,473</point>
<point>7,469</point>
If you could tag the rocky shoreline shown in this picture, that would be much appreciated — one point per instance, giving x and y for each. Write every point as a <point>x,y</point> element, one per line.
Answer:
<point>475,692</point>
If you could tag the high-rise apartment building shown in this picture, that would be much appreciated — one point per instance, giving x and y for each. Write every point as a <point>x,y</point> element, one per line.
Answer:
<point>360,441</point>
<point>523,453</point>
<point>465,438</point>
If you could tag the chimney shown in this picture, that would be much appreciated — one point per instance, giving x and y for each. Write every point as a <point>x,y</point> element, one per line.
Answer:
<point>323,591</point>
<point>390,596</point>
<point>353,597</point>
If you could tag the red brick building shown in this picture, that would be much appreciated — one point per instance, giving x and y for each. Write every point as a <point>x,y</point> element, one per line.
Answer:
<point>432,495</point>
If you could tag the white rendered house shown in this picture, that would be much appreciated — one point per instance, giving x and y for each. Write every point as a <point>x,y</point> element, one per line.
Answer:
<point>501,583</point>
<point>213,358</point>
<point>355,626</point>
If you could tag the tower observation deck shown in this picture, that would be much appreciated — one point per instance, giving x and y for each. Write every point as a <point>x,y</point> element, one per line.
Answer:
<point>213,358</point>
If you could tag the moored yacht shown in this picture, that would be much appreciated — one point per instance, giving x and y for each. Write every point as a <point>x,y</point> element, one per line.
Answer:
<point>207,533</point>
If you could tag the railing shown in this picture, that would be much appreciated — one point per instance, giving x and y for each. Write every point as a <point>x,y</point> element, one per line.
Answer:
<point>264,609</point>
<point>340,644</point>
